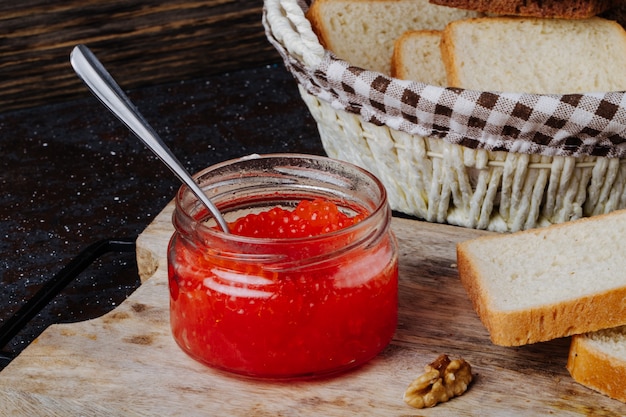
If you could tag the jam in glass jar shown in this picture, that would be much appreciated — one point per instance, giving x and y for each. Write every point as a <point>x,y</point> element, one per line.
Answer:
<point>283,307</point>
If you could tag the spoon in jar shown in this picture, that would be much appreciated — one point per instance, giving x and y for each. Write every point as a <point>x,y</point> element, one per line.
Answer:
<point>103,86</point>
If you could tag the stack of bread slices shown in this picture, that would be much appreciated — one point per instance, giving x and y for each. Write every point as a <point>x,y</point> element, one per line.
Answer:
<point>532,286</point>
<point>565,50</point>
<point>563,280</point>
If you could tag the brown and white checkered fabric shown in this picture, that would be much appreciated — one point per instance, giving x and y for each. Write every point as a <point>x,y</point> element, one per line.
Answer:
<point>565,125</point>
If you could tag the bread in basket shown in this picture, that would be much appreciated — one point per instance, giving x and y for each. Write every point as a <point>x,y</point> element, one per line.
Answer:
<point>478,159</point>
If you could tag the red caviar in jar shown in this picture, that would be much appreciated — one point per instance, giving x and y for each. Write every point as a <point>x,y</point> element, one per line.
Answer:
<point>309,218</point>
<point>288,293</point>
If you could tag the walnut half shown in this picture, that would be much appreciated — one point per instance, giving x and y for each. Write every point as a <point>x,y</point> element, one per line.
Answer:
<point>442,380</point>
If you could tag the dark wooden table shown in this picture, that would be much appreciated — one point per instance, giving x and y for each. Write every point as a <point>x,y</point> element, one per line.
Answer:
<point>145,42</point>
<point>71,174</point>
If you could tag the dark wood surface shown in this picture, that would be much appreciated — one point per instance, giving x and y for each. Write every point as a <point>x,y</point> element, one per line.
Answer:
<point>146,42</point>
<point>71,174</point>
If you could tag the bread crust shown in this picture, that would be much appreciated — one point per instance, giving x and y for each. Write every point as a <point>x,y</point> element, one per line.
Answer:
<point>316,17</point>
<point>565,9</point>
<point>448,55</point>
<point>584,314</point>
<point>398,63</point>
<point>595,369</point>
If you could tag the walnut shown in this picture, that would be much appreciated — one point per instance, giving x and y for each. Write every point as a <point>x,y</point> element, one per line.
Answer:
<point>442,380</point>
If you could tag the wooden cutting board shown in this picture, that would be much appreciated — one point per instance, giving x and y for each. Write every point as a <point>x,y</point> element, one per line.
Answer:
<point>126,362</point>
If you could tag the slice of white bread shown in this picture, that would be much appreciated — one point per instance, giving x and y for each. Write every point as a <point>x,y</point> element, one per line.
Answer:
<point>597,360</point>
<point>417,57</point>
<point>362,32</point>
<point>567,9</point>
<point>533,55</point>
<point>546,283</point>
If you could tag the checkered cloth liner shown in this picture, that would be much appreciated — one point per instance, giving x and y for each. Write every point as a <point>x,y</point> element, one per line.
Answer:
<point>564,125</point>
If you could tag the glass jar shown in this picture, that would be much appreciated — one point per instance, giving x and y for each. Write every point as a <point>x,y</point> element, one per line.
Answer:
<point>291,307</point>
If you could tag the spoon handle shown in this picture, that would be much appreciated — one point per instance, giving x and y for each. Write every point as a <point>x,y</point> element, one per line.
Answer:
<point>103,86</point>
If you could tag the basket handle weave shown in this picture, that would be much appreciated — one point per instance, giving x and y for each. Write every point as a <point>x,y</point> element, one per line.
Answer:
<point>293,30</point>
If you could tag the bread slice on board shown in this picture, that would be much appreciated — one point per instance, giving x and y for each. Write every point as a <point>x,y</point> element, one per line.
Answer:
<point>417,57</point>
<point>362,32</point>
<point>543,56</point>
<point>546,283</point>
<point>597,360</point>
<point>567,9</point>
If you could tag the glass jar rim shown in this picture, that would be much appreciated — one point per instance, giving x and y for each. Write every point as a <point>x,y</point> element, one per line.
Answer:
<point>183,213</point>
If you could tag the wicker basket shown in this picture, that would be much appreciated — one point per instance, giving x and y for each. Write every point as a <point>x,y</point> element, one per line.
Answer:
<point>436,178</point>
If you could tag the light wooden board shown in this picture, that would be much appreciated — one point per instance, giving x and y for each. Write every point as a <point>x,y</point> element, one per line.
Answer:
<point>126,362</point>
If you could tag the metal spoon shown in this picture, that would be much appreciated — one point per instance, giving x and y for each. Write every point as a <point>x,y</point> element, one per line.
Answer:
<point>103,86</point>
